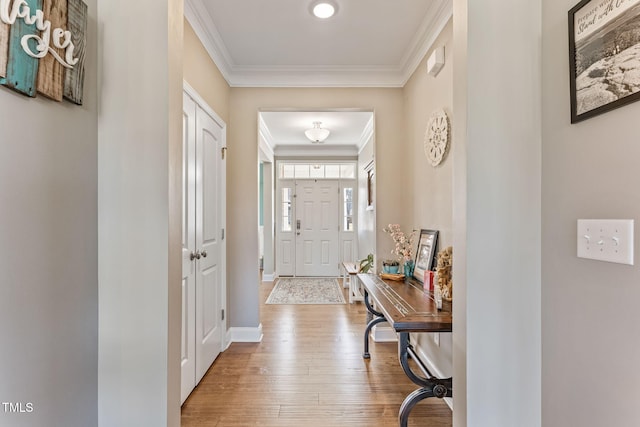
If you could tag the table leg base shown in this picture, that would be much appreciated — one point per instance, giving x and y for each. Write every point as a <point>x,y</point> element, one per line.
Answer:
<point>438,390</point>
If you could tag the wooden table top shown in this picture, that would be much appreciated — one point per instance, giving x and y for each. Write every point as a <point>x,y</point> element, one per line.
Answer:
<point>406,306</point>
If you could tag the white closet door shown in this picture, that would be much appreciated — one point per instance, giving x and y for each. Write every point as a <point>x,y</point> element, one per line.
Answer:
<point>209,269</point>
<point>203,248</point>
<point>188,361</point>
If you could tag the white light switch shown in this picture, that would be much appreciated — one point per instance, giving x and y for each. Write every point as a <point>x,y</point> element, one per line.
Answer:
<point>608,240</point>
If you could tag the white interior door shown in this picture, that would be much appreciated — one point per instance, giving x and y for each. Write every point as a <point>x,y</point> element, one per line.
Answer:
<point>317,227</point>
<point>188,342</point>
<point>203,248</point>
<point>209,234</point>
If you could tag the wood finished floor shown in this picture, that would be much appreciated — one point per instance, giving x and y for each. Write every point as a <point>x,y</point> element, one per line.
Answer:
<point>308,371</point>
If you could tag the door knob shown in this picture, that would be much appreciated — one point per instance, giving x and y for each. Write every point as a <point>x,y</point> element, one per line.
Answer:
<point>204,253</point>
<point>195,255</point>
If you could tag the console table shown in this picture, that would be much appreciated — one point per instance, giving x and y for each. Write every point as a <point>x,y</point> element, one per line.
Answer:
<point>407,308</point>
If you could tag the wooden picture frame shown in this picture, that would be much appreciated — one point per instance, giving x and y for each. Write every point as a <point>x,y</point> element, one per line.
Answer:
<point>425,254</point>
<point>369,170</point>
<point>604,56</point>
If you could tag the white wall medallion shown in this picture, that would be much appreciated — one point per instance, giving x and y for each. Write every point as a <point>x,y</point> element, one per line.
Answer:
<point>436,137</point>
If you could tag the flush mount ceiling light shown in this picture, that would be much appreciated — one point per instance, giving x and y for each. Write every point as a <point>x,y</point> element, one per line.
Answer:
<point>316,134</point>
<point>323,9</point>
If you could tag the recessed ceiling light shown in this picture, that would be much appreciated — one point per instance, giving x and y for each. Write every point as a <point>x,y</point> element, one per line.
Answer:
<point>324,10</point>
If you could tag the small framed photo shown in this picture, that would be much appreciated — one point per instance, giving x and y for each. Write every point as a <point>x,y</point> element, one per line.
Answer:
<point>604,56</point>
<point>425,254</point>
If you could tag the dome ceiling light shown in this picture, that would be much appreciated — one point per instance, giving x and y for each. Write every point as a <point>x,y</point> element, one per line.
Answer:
<point>317,134</point>
<point>323,10</point>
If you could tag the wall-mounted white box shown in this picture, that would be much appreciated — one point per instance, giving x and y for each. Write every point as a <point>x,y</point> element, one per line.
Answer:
<point>435,62</point>
<point>609,240</point>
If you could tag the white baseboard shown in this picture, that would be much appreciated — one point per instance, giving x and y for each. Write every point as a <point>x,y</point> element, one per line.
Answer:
<point>268,277</point>
<point>383,333</point>
<point>433,369</point>
<point>236,334</point>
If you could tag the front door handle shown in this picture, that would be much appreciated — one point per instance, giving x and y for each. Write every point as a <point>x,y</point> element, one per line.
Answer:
<point>298,225</point>
<point>195,255</point>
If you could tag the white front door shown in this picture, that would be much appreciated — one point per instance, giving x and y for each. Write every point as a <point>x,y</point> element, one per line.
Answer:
<point>203,251</point>
<point>317,227</point>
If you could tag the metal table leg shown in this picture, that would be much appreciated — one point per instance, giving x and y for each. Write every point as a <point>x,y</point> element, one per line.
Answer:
<point>377,317</point>
<point>429,385</point>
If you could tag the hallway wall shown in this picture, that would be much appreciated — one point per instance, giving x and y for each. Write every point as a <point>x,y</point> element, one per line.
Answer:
<point>49,254</point>
<point>589,308</point>
<point>431,187</point>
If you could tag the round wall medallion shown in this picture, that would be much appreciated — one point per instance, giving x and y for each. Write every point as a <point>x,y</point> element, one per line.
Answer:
<point>436,137</point>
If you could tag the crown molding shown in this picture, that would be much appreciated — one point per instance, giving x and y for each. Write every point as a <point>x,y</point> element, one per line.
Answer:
<point>319,76</point>
<point>202,24</point>
<point>426,37</point>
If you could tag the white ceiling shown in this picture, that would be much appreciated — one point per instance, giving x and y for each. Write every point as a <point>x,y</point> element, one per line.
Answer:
<point>283,131</point>
<point>279,43</point>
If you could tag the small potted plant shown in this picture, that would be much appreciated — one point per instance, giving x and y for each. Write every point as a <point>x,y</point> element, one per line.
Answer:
<point>366,264</point>
<point>390,266</point>
<point>403,248</point>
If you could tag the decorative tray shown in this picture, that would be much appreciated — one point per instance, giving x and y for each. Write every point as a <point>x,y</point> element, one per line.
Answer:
<point>390,276</point>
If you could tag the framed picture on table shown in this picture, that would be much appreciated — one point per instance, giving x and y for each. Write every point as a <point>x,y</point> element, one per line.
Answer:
<point>425,254</point>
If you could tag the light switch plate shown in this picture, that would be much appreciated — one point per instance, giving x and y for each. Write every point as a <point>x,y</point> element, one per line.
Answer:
<point>609,240</point>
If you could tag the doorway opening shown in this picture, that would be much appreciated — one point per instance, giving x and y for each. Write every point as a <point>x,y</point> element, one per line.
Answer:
<point>316,199</point>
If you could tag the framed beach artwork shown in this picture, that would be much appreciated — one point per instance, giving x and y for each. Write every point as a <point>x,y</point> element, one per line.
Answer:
<point>604,56</point>
<point>425,254</point>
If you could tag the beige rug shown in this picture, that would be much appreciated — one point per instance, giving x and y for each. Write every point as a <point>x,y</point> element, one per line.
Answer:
<point>306,290</point>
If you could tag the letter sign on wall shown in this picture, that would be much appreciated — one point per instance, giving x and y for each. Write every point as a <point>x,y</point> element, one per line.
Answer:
<point>42,47</point>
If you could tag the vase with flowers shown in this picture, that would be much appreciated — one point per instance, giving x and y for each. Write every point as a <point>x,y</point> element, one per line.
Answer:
<point>403,246</point>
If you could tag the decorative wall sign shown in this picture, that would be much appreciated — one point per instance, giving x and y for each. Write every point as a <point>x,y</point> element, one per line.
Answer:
<point>436,137</point>
<point>42,47</point>
<point>604,56</point>
<point>4,48</point>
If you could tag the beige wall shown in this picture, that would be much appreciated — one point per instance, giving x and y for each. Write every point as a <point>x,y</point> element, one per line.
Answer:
<point>243,178</point>
<point>203,74</point>
<point>590,313</point>
<point>431,188</point>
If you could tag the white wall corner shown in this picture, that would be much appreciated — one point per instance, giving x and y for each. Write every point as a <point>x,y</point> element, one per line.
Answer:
<point>241,334</point>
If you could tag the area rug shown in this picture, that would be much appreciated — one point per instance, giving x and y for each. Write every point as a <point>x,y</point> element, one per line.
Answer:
<point>306,290</point>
